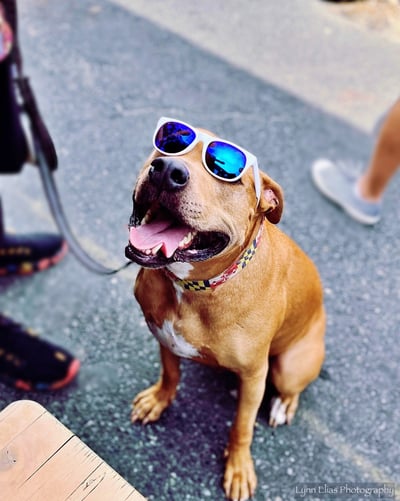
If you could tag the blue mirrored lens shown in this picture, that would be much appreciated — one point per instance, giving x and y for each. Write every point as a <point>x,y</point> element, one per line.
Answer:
<point>224,160</point>
<point>174,137</point>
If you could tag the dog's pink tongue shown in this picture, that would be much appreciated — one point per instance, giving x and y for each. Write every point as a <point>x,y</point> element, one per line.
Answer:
<point>151,235</point>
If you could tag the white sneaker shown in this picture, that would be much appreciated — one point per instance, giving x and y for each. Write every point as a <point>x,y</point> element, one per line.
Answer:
<point>341,188</point>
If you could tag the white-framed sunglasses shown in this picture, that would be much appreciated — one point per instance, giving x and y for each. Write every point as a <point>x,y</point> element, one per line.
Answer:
<point>222,159</point>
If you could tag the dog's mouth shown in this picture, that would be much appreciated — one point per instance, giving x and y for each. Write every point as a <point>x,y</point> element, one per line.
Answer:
<point>160,238</point>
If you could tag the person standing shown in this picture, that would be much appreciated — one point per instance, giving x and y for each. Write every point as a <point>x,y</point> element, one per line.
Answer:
<point>27,362</point>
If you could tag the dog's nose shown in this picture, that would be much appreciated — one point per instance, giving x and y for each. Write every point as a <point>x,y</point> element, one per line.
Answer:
<point>170,174</point>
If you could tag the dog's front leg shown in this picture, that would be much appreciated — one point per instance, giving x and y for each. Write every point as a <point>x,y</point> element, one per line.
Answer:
<point>240,479</point>
<point>149,404</point>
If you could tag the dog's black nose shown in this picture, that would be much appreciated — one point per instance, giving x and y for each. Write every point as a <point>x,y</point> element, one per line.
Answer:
<point>170,174</point>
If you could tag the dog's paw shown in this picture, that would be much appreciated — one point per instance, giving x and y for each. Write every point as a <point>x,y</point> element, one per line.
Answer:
<point>240,479</point>
<point>149,404</point>
<point>282,410</point>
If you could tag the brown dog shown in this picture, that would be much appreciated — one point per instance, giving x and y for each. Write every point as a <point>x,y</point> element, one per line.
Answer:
<point>221,284</point>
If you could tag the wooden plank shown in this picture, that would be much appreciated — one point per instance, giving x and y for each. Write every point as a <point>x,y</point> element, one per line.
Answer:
<point>16,417</point>
<point>24,454</point>
<point>41,459</point>
<point>82,475</point>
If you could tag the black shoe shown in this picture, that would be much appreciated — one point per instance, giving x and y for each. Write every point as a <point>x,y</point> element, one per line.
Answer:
<point>30,363</point>
<point>25,254</point>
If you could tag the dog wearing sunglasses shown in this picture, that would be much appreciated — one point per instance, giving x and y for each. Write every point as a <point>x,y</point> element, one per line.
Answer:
<point>220,284</point>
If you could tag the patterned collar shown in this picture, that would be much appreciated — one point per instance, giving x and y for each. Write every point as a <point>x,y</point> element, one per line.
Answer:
<point>232,271</point>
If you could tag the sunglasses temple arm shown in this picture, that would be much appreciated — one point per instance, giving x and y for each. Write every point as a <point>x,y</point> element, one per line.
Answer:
<point>257,181</point>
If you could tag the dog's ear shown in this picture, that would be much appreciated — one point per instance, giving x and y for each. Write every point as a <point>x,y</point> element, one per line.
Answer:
<point>271,201</point>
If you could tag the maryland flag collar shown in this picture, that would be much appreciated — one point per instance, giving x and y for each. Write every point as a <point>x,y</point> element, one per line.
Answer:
<point>232,271</point>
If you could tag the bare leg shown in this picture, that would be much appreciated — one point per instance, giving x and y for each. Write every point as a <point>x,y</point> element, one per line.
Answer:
<point>385,158</point>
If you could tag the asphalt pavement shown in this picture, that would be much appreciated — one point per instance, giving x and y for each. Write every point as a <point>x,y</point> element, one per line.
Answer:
<point>104,71</point>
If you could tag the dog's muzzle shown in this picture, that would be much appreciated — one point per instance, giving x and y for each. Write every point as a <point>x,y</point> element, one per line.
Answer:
<point>158,232</point>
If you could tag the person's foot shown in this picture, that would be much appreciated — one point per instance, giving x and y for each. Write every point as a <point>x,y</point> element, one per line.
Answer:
<point>30,363</point>
<point>341,188</point>
<point>25,254</point>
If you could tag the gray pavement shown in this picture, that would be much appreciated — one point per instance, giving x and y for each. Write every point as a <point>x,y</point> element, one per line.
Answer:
<point>104,72</point>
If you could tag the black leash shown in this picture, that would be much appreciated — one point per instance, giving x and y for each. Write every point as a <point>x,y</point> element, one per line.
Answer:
<point>46,154</point>
<point>54,201</point>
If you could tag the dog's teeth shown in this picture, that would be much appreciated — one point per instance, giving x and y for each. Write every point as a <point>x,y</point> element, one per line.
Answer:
<point>154,250</point>
<point>186,240</point>
<point>147,252</point>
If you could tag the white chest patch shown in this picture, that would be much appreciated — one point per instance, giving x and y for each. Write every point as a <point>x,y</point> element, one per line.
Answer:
<point>175,342</point>
<point>180,270</point>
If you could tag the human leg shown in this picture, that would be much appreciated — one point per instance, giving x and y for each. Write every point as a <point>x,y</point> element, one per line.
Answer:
<point>361,195</point>
<point>13,144</point>
<point>385,159</point>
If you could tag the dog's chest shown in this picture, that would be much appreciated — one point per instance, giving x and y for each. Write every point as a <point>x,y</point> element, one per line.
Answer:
<point>173,340</point>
